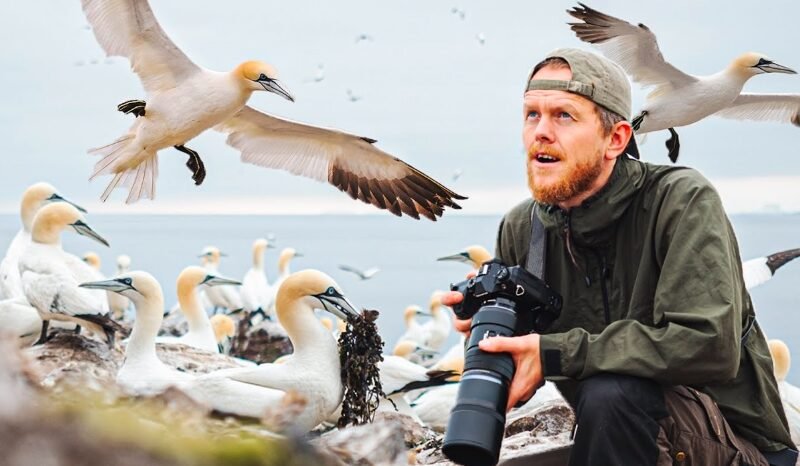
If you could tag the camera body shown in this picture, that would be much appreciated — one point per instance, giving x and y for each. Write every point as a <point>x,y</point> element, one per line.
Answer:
<point>501,301</point>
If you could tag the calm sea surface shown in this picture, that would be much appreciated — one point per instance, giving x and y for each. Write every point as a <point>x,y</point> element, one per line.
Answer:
<point>405,250</point>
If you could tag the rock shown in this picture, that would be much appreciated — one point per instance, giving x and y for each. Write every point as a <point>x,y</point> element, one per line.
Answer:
<point>414,434</point>
<point>376,444</point>
<point>263,343</point>
<point>77,360</point>
<point>174,325</point>
<point>193,360</point>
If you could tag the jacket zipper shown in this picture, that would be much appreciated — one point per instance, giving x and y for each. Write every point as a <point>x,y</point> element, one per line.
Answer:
<point>568,240</point>
<point>603,277</point>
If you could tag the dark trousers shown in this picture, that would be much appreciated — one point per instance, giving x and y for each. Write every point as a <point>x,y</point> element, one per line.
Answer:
<point>624,420</point>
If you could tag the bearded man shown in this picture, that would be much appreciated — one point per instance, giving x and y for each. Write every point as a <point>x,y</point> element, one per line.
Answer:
<point>657,348</point>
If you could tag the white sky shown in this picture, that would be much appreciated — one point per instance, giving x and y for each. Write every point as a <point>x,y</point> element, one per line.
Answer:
<point>432,95</point>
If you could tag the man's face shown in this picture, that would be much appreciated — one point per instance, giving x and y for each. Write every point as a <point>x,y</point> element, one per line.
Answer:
<point>564,139</point>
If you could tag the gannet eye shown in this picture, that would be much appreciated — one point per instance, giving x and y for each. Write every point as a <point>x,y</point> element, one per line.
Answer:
<point>263,77</point>
<point>330,291</point>
<point>126,281</point>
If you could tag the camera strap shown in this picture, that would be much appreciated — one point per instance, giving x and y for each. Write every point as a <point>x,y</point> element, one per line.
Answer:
<point>536,250</point>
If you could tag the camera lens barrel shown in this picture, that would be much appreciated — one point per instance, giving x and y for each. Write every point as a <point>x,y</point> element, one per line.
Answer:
<point>477,422</point>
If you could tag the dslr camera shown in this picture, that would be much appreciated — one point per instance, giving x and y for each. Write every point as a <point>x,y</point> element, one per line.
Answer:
<point>502,301</point>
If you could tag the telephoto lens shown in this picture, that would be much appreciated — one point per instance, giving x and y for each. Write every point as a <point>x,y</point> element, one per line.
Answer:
<point>478,419</point>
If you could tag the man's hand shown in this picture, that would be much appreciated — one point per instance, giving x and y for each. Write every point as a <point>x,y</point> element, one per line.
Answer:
<point>452,298</point>
<point>528,375</point>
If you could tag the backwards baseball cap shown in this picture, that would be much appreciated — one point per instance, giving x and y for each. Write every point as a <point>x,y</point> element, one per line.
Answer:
<point>595,77</point>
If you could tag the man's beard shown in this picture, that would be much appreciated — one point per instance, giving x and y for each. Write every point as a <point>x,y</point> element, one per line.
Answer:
<point>578,179</point>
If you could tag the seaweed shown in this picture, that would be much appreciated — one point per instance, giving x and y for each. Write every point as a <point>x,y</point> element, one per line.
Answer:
<point>360,351</point>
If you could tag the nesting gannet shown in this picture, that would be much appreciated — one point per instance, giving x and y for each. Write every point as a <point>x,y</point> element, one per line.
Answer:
<point>453,359</point>
<point>255,291</point>
<point>790,395</point>
<point>224,329</point>
<point>142,373</point>
<point>284,262</point>
<point>435,331</point>
<point>761,269</point>
<point>413,328</point>
<point>93,260</point>
<point>313,371</point>
<point>34,197</point>
<point>50,276</point>
<point>474,255</point>
<point>225,297</point>
<point>19,318</point>
<point>433,407</point>
<point>200,334</point>
<point>185,99</point>
<point>413,351</point>
<point>362,274</point>
<point>118,303</point>
<point>399,376</point>
<point>678,98</point>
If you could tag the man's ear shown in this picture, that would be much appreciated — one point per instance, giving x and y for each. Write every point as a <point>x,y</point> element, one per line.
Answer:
<point>621,133</point>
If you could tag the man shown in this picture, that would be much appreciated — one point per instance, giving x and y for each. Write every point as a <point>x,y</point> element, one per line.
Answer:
<point>657,334</point>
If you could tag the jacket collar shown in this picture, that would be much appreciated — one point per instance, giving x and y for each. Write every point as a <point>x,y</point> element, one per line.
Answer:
<point>592,222</point>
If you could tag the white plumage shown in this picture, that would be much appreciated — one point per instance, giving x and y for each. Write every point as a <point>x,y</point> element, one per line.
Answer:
<point>256,292</point>
<point>225,296</point>
<point>761,269</point>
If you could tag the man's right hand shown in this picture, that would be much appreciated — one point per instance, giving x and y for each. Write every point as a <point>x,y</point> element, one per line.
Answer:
<point>462,325</point>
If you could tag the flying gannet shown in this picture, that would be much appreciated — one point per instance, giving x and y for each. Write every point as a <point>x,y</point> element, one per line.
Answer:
<point>313,370</point>
<point>362,274</point>
<point>50,276</point>
<point>256,292</point>
<point>34,197</point>
<point>759,270</point>
<point>184,100</point>
<point>678,98</point>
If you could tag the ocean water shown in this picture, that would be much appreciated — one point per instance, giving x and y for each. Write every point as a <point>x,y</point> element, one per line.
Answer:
<point>405,250</point>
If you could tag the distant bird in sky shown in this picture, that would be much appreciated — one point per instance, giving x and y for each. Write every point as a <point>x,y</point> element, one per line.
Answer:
<point>759,270</point>
<point>458,12</point>
<point>319,75</point>
<point>362,274</point>
<point>677,98</point>
<point>481,38</point>
<point>457,174</point>
<point>364,37</point>
<point>185,99</point>
<point>352,97</point>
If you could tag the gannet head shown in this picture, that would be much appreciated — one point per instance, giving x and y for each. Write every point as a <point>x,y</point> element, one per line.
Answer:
<point>287,254</point>
<point>411,312</point>
<point>223,327</point>
<point>53,218</point>
<point>781,359</point>
<point>137,285</point>
<point>123,263</point>
<point>318,290</point>
<point>92,259</point>
<point>211,255</point>
<point>435,303</point>
<point>752,63</point>
<point>474,255</point>
<point>193,276</point>
<point>259,76</point>
<point>34,197</point>
<point>405,348</point>
<point>261,244</point>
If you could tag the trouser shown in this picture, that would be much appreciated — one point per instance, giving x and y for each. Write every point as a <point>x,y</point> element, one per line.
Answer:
<point>624,420</point>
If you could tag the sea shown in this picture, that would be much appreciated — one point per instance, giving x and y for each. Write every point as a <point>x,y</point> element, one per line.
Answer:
<point>404,249</point>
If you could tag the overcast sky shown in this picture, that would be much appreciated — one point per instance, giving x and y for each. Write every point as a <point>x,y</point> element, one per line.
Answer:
<point>430,93</point>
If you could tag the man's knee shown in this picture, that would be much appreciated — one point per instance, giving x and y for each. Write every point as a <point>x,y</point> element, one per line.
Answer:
<point>607,395</point>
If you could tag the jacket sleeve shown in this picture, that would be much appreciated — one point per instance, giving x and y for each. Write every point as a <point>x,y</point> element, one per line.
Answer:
<point>697,304</point>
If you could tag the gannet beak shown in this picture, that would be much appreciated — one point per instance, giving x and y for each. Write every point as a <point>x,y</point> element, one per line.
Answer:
<point>333,302</point>
<point>772,67</point>
<point>460,257</point>
<point>84,230</point>
<point>425,351</point>
<point>58,198</point>
<point>222,254</point>
<point>270,246</point>
<point>423,313</point>
<point>272,85</point>
<point>298,254</point>
<point>213,280</point>
<point>117,285</point>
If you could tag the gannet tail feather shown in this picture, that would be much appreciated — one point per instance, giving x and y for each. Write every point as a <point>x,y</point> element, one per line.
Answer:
<point>111,154</point>
<point>141,181</point>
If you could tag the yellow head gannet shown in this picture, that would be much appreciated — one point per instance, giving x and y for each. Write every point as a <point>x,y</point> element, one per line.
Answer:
<point>680,99</point>
<point>224,329</point>
<point>400,376</point>
<point>118,303</point>
<point>284,261</point>
<point>413,351</point>
<point>790,395</point>
<point>474,255</point>
<point>50,276</point>
<point>413,328</point>
<point>453,359</point>
<point>223,297</point>
<point>313,371</point>
<point>759,270</point>
<point>142,373</point>
<point>34,197</point>
<point>93,260</point>
<point>200,334</point>
<point>436,330</point>
<point>255,292</point>
<point>185,99</point>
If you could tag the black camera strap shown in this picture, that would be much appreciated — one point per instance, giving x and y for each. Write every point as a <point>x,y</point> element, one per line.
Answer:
<point>536,251</point>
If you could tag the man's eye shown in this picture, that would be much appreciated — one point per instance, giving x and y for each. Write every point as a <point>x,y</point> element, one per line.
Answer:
<point>564,115</point>
<point>533,114</point>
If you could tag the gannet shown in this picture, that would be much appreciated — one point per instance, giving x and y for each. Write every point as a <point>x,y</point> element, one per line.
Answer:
<point>34,197</point>
<point>474,255</point>
<point>413,351</point>
<point>142,373</point>
<point>759,270</point>
<point>118,304</point>
<point>200,334</point>
<point>362,274</point>
<point>224,330</point>
<point>398,376</point>
<point>435,331</point>
<point>50,276</point>
<point>790,395</point>
<point>453,359</point>
<point>19,318</point>
<point>413,328</point>
<point>284,262</point>
<point>313,371</point>
<point>255,291</point>
<point>185,99</point>
<point>93,260</point>
<point>433,407</point>
<point>680,99</point>
<point>224,297</point>
<point>458,12</point>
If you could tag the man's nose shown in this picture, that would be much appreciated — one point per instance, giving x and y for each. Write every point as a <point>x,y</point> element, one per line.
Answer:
<point>544,132</point>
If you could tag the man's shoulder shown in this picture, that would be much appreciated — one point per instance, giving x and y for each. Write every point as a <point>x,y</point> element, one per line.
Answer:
<point>520,214</point>
<point>670,180</point>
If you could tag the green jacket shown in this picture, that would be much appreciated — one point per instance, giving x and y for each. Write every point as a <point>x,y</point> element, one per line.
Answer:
<point>651,277</point>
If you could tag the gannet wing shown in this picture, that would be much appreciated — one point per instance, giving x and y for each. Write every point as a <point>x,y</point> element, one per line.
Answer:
<point>128,28</point>
<point>764,107</point>
<point>755,272</point>
<point>58,294</point>
<point>351,163</point>
<point>397,372</point>
<point>633,47</point>
<point>354,270</point>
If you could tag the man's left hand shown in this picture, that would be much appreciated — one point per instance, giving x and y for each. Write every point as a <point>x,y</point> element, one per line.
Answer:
<point>524,351</point>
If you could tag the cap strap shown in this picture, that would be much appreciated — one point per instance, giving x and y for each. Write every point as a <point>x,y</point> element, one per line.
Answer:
<point>577,87</point>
